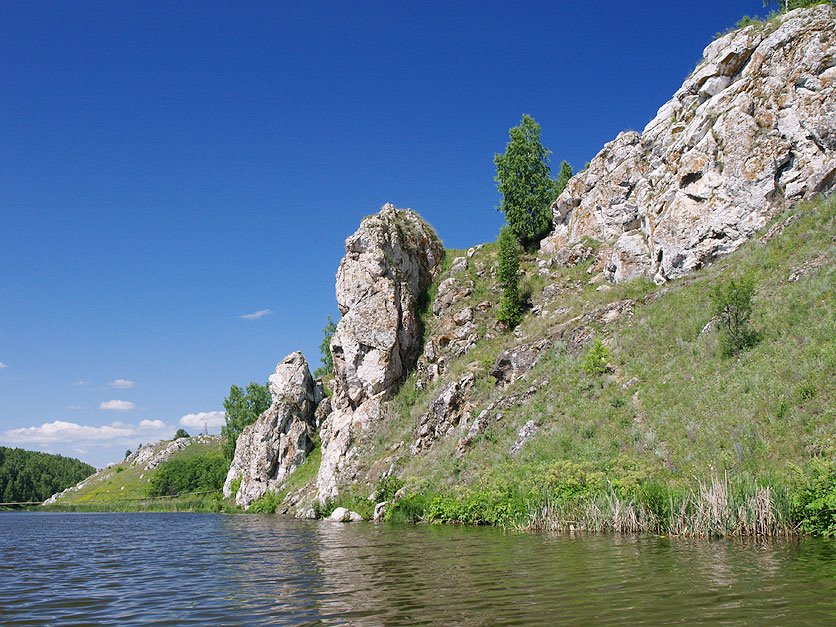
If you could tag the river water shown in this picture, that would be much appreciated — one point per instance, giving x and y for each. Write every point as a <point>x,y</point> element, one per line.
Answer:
<point>210,569</point>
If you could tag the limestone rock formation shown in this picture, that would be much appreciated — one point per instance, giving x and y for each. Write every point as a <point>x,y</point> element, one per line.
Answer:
<point>388,266</point>
<point>445,414</point>
<point>273,446</point>
<point>750,132</point>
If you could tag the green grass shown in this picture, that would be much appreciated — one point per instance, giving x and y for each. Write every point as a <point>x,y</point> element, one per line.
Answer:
<point>670,412</point>
<point>126,487</point>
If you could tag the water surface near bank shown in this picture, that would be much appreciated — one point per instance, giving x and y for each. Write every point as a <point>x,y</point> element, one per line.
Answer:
<point>215,569</point>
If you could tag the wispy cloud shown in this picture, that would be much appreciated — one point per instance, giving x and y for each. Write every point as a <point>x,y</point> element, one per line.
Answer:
<point>81,382</point>
<point>2,365</point>
<point>117,405</point>
<point>75,407</point>
<point>257,314</point>
<point>122,384</point>
<point>152,424</point>
<point>204,418</point>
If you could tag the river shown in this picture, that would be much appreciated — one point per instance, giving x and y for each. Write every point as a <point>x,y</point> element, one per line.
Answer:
<point>120,569</point>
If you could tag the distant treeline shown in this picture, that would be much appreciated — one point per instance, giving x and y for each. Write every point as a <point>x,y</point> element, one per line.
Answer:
<point>31,476</point>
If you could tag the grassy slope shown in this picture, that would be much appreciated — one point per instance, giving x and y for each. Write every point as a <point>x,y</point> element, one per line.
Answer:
<point>124,487</point>
<point>673,410</point>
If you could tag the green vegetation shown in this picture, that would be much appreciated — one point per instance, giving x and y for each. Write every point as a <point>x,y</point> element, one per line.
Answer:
<point>326,358</point>
<point>524,179</point>
<point>510,305</point>
<point>789,5</point>
<point>242,408</point>
<point>181,433</point>
<point>814,497</point>
<point>563,176</point>
<point>200,473</point>
<point>128,487</point>
<point>597,358</point>
<point>267,504</point>
<point>30,476</point>
<point>771,21</point>
<point>732,307</point>
<point>628,432</point>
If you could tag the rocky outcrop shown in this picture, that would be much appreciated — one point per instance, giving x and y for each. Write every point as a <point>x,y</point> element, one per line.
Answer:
<point>388,266</point>
<point>445,414</point>
<point>273,446</point>
<point>750,132</point>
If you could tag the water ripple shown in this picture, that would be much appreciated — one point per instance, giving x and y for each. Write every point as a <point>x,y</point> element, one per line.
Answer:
<point>182,569</point>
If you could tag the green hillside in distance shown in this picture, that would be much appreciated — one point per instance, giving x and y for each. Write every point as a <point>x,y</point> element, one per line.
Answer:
<point>30,476</point>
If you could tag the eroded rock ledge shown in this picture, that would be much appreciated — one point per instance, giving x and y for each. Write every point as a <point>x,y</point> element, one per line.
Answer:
<point>751,132</point>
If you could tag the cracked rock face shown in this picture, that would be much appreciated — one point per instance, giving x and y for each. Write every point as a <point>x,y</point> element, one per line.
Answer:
<point>278,442</point>
<point>751,132</point>
<point>388,265</point>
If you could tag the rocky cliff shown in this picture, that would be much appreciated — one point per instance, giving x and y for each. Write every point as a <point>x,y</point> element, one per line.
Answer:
<point>388,266</point>
<point>751,132</point>
<point>273,446</point>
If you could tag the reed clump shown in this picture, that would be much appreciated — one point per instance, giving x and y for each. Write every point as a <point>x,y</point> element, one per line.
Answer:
<point>716,508</point>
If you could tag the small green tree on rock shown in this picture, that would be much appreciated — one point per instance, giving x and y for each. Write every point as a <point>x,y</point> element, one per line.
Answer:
<point>563,176</point>
<point>181,433</point>
<point>732,307</point>
<point>596,360</point>
<point>242,408</point>
<point>508,276</point>
<point>524,179</point>
<point>326,358</point>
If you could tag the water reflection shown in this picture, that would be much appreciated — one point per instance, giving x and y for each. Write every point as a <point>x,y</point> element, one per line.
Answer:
<point>181,569</point>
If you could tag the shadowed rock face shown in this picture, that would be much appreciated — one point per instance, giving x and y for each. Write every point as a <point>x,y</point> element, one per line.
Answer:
<point>273,446</point>
<point>389,263</point>
<point>750,132</point>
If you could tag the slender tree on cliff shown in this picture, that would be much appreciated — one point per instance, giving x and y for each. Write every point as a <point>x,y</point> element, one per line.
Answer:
<point>523,178</point>
<point>563,176</point>
<point>510,305</point>
<point>327,360</point>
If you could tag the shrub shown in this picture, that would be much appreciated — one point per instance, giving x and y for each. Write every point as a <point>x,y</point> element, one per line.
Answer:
<point>814,498</point>
<point>595,362</point>
<point>386,488</point>
<point>267,504</point>
<point>198,473</point>
<point>732,306</point>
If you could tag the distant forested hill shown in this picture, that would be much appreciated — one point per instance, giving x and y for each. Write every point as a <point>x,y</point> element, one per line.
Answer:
<point>31,476</point>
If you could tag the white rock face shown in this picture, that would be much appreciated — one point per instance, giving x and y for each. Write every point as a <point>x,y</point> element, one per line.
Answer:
<point>389,263</point>
<point>273,446</point>
<point>751,132</point>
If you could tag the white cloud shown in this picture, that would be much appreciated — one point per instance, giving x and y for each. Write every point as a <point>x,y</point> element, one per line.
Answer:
<point>122,384</point>
<point>75,407</point>
<point>61,431</point>
<point>152,424</point>
<point>117,405</point>
<point>2,365</point>
<point>204,418</point>
<point>257,314</point>
<point>81,382</point>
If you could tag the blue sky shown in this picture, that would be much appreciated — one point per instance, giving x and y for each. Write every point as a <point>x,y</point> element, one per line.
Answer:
<point>168,168</point>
